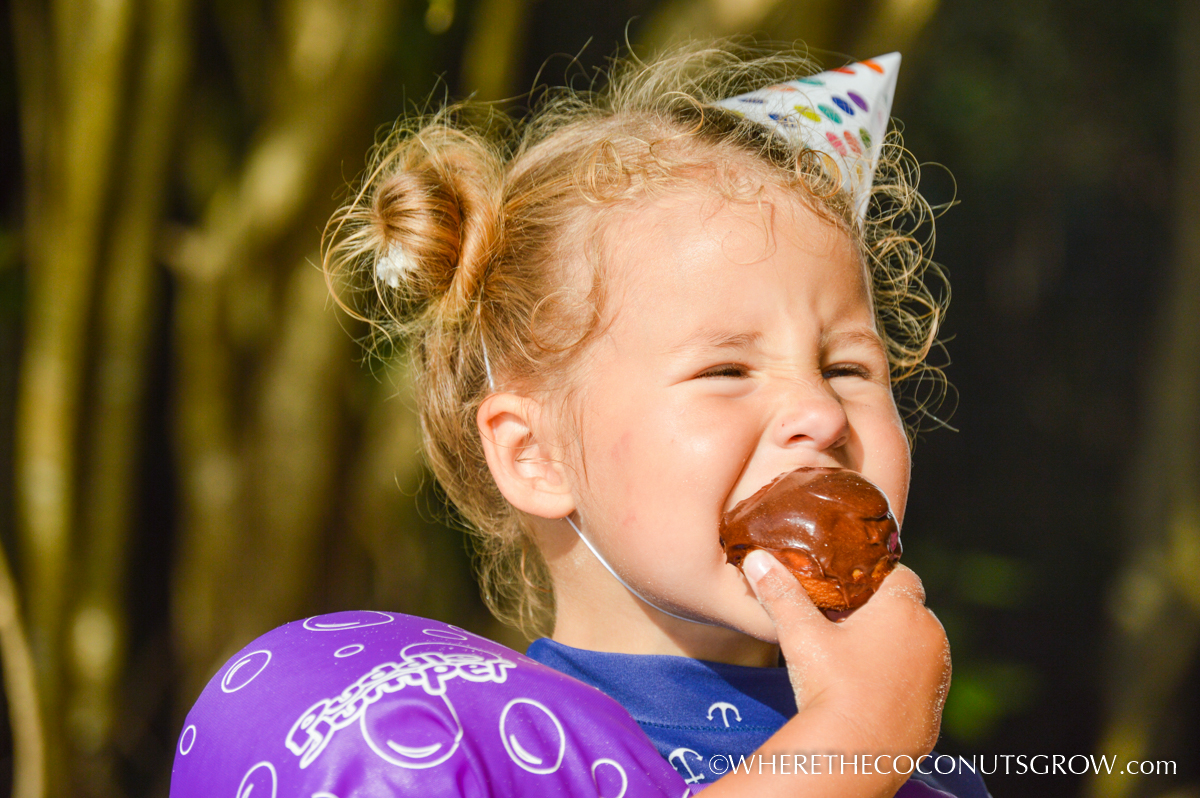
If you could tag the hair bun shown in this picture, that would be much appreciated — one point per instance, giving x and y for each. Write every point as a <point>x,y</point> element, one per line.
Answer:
<point>433,216</point>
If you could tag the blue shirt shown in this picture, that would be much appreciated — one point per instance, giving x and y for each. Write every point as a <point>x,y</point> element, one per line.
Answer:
<point>699,713</point>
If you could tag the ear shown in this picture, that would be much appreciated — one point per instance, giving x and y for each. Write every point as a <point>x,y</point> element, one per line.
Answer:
<point>521,457</point>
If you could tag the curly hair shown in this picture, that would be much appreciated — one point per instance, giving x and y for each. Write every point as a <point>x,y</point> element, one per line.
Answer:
<point>458,238</point>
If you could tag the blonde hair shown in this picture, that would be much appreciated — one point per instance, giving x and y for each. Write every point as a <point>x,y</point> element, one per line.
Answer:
<point>459,238</point>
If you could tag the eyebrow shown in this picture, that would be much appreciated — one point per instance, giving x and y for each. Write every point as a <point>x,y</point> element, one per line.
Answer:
<point>851,337</point>
<point>718,339</point>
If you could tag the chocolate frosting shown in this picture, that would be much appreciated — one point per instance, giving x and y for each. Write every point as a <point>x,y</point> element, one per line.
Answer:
<point>830,524</point>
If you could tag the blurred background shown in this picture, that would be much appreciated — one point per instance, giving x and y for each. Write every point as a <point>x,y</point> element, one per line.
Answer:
<point>194,450</point>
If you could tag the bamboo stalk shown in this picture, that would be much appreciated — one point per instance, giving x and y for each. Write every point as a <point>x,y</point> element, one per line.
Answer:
<point>490,58</point>
<point>20,687</point>
<point>127,317</point>
<point>71,188</point>
<point>383,479</point>
<point>295,447</point>
<point>210,482</point>
<point>222,266</point>
<point>36,103</point>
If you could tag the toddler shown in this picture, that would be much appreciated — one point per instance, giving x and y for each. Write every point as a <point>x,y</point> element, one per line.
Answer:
<point>626,314</point>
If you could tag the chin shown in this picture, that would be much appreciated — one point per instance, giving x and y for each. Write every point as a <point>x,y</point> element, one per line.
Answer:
<point>751,621</point>
<point>762,630</point>
<point>753,642</point>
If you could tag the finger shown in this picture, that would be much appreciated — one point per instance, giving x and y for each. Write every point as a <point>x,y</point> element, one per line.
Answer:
<point>785,601</point>
<point>903,582</point>
<point>899,591</point>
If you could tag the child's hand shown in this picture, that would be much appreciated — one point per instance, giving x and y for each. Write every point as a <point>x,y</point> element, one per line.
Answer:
<point>872,684</point>
<point>885,669</point>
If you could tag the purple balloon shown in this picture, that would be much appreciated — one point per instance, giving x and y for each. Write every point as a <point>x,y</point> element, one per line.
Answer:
<point>379,704</point>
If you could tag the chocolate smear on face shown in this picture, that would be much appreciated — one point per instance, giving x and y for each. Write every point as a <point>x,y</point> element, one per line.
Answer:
<point>831,527</point>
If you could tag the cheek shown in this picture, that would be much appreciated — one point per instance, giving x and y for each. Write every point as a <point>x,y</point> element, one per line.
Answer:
<point>885,452</point>
<point>654,453</point>
<point>896,465</point>
<point>693,443</point>
<point>899,495</point>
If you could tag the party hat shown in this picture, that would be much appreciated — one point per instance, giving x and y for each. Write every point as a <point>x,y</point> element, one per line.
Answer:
<point>843,113</point>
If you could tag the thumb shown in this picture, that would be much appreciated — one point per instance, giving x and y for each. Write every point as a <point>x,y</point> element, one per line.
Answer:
<point>786,602</point>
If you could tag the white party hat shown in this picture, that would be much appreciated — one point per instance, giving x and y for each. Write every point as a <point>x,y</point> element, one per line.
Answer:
<point>843,113</point>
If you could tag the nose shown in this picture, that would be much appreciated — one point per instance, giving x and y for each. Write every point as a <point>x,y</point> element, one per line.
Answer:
<point>813,416</point>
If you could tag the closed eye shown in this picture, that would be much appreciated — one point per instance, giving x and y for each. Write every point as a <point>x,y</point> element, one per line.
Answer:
<point>846,370</point>
<point>735,370</point>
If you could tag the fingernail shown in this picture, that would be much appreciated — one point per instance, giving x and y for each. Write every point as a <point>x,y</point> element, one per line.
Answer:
<point>756,565</point>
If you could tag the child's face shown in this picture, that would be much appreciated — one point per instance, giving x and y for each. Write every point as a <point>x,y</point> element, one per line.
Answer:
<point>741,345</point>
